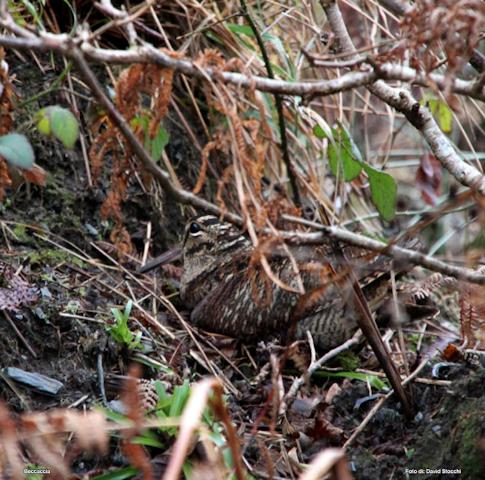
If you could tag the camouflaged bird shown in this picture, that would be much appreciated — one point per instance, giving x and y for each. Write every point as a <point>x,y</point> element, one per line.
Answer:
<point>231,294</point>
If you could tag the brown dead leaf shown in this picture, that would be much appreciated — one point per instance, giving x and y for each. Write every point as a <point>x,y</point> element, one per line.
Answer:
<point>428,179</point>
<point>332,392</point>
<point>35,175</point>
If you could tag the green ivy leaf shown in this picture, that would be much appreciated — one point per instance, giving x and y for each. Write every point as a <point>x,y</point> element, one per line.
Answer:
<point>383,189</point>
<point>16,149</point>
<point>60,122</point>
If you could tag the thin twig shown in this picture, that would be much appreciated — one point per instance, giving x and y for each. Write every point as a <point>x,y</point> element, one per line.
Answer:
<point>19,333</point>
<point>400,99</point>
<point>279,106</point>
<point>298,382</point>
<point>418,115</point>
<point>100,370</point>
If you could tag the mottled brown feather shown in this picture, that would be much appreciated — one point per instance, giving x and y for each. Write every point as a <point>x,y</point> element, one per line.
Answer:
<point>228,294</point>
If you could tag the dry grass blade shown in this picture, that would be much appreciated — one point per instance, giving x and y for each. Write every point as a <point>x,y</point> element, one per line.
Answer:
<point>331,460</point>
<point>10,452</point>
<point>190,422</point>
<point>46,435</point>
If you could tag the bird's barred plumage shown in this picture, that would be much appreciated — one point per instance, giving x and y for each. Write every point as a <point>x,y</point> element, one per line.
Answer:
<point>231,295</point>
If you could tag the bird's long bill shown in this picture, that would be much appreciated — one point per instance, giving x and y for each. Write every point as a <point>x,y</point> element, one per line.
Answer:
<point>169,256</point>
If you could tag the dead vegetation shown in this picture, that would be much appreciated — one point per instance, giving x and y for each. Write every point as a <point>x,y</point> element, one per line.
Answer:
<point>294,120</point>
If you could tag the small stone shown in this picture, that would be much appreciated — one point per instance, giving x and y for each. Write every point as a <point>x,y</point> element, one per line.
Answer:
<point>46,294</point>
<point>37,381</point>
<point>419,417</point>
<point>91,230</point>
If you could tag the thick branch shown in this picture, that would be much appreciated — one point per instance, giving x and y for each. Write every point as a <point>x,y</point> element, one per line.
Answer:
<point>149,54</point>
<point>400,254</point>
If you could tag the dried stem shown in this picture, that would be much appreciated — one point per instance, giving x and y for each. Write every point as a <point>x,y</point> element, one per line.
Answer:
<point>279,106</point>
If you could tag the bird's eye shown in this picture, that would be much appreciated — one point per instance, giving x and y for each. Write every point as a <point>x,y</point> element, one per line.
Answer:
<point>194,228</point>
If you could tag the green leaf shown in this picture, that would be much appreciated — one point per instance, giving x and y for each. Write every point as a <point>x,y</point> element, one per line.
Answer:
<point>112,415</point>
<point>149,439</point>
<point>60,122</point>
<point>348,360</point>
<point>441,112</point>
<point>179,398</point>
<point>163,399</point>
<point>187,468</point>
<point>241,29</point>
<point>248,31</point>
<point>212,36</point>
<point>319,132</point>
<point>140,121</point>
<point>128,307</point>
<point>383,189</point>
<point>227,456</point>
<point>120,330</point>
<point>374,381</point>
<point>119,474</point>
<point>445,117</point>
<point>218,438</point>
<point>159,143</point>
<point>344,157</point>
<point>409,452</point>
<point>33,11</point>
<point>44,124</point>
<point>16,149</point>
<point>34,476</point>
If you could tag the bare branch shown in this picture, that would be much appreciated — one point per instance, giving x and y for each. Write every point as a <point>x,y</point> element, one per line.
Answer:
<point>400,254</point>
<point>315,365</point>
<point>149,54</point>
<point>419,116</point>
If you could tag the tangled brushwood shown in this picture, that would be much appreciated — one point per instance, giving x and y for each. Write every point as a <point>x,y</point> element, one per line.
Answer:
<point>453,27</point>
<point>310,175</point>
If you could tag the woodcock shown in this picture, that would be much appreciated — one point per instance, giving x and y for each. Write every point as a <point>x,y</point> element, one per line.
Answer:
<point>230,293</point>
